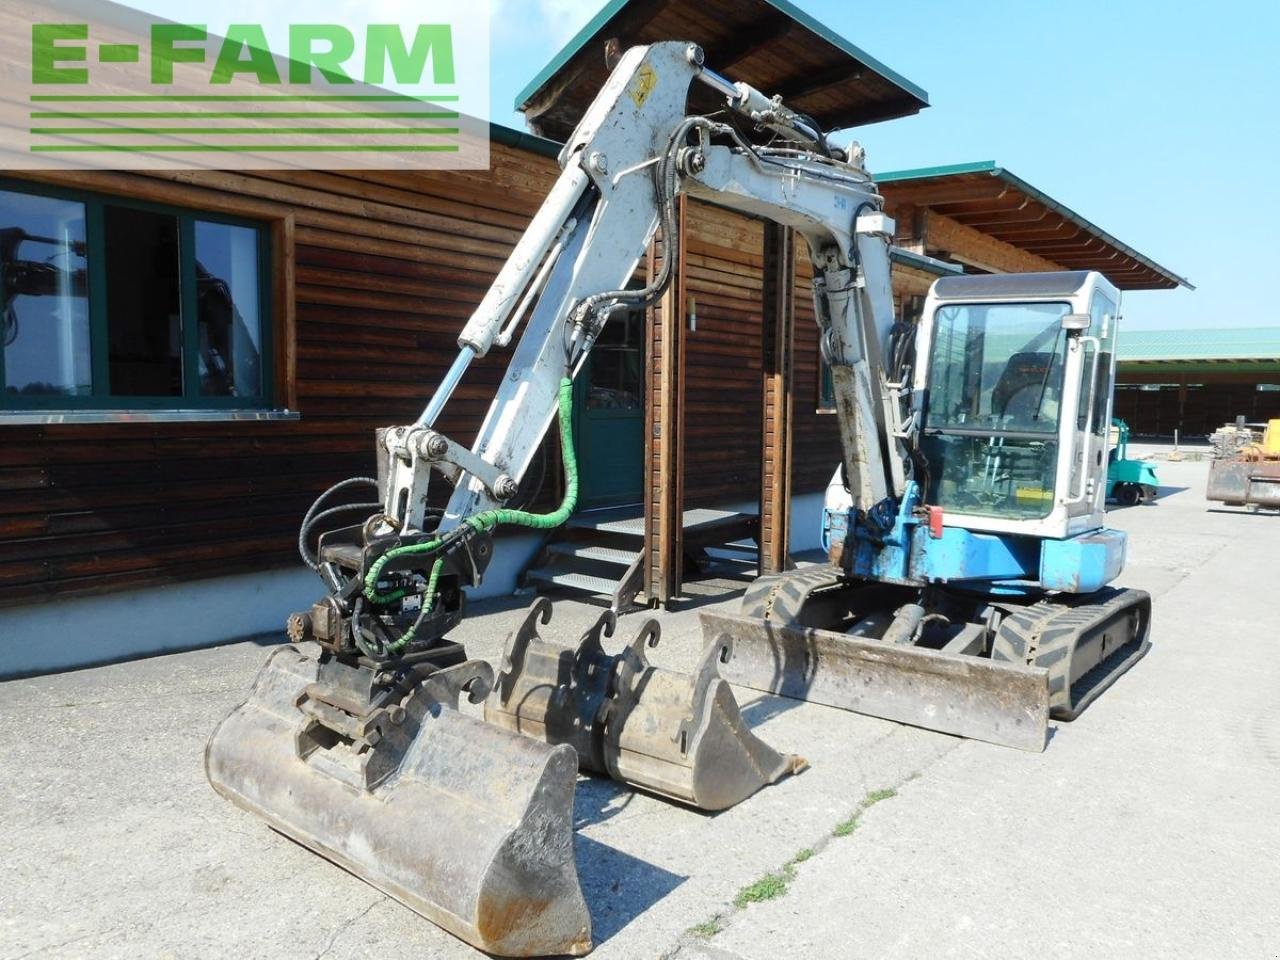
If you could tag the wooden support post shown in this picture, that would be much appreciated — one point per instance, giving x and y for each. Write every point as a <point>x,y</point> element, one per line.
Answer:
<point>778,347</point>
<point>1182,403</point>
<point>664,434</point>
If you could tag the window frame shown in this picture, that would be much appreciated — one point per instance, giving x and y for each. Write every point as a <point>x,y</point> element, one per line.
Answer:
<point>964,429</point>
<point>191,399</point>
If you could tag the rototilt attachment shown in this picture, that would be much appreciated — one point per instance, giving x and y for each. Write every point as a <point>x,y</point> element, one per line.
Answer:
<point>681,736</point>
<point>466,824</point>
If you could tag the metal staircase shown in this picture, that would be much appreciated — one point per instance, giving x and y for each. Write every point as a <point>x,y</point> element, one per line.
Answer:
<point>599,554</point>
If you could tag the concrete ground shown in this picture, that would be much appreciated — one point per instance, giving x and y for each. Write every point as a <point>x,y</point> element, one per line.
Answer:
<point>1148,827</point>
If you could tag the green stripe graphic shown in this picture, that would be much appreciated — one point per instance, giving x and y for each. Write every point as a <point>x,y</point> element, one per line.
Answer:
<point>239,115</point>
<point>275,98</point>
<point>243,131</point>
<point>247,148</point>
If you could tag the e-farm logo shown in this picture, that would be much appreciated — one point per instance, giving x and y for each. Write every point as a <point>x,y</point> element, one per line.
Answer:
<point>130,89</point>
<point>245,50</point>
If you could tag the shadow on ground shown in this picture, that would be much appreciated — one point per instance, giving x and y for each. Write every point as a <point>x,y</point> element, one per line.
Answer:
<point>618,886</point>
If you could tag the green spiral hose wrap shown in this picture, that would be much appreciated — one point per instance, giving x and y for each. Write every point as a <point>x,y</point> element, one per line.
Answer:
<point>485,522</point>
<point>490,519</point>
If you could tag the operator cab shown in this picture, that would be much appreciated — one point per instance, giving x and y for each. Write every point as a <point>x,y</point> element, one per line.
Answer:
<point>1015,384</point>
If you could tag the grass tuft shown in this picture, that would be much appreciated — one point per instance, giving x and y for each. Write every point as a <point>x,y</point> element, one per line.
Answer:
<point>846,827</point>
<point>801,857</point>
<point>708,928</point>
<point>774,885</point>
<point>769,887</point>
<point>876,796</point>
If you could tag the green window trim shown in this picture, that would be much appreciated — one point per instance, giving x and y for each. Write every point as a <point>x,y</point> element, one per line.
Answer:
<point>191,398</point>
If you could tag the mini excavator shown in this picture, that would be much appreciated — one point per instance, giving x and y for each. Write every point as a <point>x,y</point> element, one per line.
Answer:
<point>967,589</point>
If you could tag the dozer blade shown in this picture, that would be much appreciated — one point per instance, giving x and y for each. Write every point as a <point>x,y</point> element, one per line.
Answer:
<point>681,736</point>
<point>1000,703</point>
<point>464,823</point>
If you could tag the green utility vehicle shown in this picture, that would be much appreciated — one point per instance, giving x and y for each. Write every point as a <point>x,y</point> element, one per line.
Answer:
<point>1129,482</point>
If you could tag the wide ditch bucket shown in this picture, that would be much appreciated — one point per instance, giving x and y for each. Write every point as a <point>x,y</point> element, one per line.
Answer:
<point>465,823</point>
<point>1001,703</point>
<point>678,735</point>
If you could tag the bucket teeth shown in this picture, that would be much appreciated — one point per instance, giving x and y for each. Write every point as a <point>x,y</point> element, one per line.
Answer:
<point>678,735</point>
<point>465,823</point>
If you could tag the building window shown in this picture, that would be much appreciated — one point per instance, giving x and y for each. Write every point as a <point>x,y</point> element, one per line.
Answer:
<point>108,303</point>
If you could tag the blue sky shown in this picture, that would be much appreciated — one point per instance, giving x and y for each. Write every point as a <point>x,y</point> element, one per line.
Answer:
<point>1159,121</point>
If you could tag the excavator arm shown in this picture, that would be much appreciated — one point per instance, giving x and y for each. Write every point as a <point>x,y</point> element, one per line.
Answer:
<point>633,153</point>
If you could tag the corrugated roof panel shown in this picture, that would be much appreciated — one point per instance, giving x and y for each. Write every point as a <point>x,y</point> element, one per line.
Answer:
<point>1210,343</point>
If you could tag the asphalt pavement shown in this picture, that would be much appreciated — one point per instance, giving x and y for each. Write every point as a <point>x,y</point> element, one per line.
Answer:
<point>1147,828</point>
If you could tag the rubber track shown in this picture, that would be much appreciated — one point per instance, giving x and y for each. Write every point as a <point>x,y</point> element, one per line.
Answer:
<point>1047,633</point>
<point>780,597</point>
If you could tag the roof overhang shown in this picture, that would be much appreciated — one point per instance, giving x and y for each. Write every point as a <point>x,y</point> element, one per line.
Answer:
<point>770,44</point>
<point>990,199</point>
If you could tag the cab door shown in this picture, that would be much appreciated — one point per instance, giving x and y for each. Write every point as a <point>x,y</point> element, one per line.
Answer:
<point>1097,376</point>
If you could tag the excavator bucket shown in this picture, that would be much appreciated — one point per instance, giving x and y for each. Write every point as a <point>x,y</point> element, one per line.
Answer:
<point>1001,703</point>
<point>681,736</point>
<point>464,823</point>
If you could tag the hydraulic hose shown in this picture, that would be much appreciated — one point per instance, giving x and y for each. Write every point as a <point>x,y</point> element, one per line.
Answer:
<point>487,521</point>
<point>484,522</point>
<point>315,516</point>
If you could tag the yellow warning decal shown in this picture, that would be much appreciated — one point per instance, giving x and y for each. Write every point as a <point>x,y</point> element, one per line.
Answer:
<point>646,79</point>
<point>1033,495</point>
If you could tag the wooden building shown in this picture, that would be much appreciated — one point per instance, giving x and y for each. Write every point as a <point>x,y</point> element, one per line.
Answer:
<point>213,349</point>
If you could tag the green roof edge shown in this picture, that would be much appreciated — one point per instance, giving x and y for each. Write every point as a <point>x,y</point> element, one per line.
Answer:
<point>511,137</point>
<point>945,170</point>
<point>613,7</point>
<point>990,166</point>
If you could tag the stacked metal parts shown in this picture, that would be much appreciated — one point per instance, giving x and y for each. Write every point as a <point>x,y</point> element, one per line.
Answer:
<point>1246,466</point>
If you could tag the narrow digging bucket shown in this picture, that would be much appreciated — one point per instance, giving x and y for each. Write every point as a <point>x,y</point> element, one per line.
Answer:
<point>681,736</point>
<point>464,823</point>
<point>1001,703</point>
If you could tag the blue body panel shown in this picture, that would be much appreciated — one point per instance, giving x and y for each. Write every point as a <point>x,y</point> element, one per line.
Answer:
<point>998,563</point>
<point>1083,564</point>
<point>964,555</point>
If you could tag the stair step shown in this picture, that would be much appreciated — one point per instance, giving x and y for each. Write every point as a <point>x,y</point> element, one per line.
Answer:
<point>584,551</point>
<point>734,552</point>
<point>582,582</point>
<point>608,523</point>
